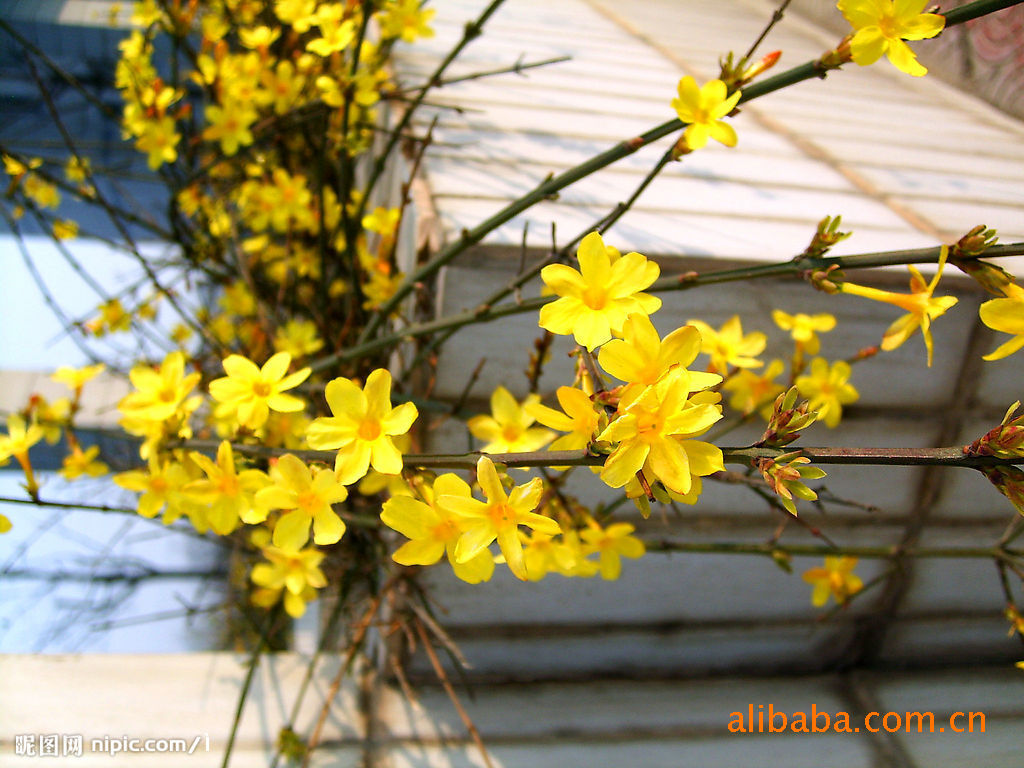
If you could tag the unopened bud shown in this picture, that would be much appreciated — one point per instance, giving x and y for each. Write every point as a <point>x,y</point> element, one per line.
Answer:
<point>838,56</point>
<point>822,279</point>
<point>787,419</point>
<point>994,279</point>
<point>785,475</point>
<point>681,149</point>
<point>767,62</point>
<point>826,236</point>
<point>1005,441</point>
<point>975,242</point>
<point>1009,481</point>
<point>783,559</point>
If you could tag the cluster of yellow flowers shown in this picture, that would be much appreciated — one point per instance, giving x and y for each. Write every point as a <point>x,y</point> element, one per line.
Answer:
<point>49,421</point>
<point>274,224</point>
<point>291,499</point>
<point>256,189</point>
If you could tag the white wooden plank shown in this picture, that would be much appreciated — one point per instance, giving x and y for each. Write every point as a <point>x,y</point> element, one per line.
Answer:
<point>602,709</point>
<point>167,696</point>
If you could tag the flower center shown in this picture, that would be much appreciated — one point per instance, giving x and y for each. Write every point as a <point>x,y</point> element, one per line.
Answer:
<point>261,389</point>
<point>369,429</point>
<point>889,28</point>
<point>502,515</point>
<point>228,485</point>
<point>511,433</point>
<point>307,500</point>
<point>648,424</point>
<point>595,297</point>
<point>445,531</point>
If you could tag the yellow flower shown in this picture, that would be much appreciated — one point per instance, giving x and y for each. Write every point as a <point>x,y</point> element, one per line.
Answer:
<point>704,108</point>
<point>433,530</point>
<point>652,430</point>
<point>383,221</point>
<point>362,427</point>
<point>5,523</point>
<point>160,486</point>
<point>258,37</point>
<point>112,318</point>
<point>406,19</point>
<point>1006,316</point>
<point>827,389</point>
<point>612,544</point>
<point>77,169</point>
<point>919,303</point>
<point>335,32</point>
<point>804,328</point>
<point>564,554</point>
<point>836,578</point>
<point>76,378</point>
<point>51,417</point>
<point>159,140</point>
<point>162,392</point>
<point>498,518</point>
<point>78,463</point>
<point>508,430</point>
<point>881,26</point>
<point>755,392</point>
<point>580,418</point>
<point>19,438</point>
<point>42,192</point>
<point>307,494</point>
<point>65,229</point>
<point>300,14</point>
<point>230,125</point>
<point>729,346</point>
<point>640,357</point>
<point>227,494</point>
<point>282,87</point>
<point>295,574</point>
<point>298,338</point>
<point>251,392</point>
<point>596,301</point>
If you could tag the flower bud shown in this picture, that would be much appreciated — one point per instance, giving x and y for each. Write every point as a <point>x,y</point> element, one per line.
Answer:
<point>975,242</point>
<point>1005,441</point>
<point>1009,481</point>
<point>787,419</point>
<point>785,474</point>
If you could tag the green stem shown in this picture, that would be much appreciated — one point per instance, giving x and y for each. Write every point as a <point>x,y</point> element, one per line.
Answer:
<point>472,31</point>
<point>518,68</point>
<point>977,9</point>
<point>254,661</point>
<point>487,313</point>
<point>735,548</point>
<point>553,184</point>
<point>946,457</point>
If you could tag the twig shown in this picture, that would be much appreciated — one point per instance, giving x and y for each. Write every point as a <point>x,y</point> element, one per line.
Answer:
<point>446,683</point>
<point>518,68</point>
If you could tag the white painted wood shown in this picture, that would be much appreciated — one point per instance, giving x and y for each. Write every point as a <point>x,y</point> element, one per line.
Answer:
<point>656,723</point>
<point>167,696</point>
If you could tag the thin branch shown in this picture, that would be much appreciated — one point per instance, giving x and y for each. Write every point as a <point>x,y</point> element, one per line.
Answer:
<point>869,552</point>
<point>947,457</point>
<point>435,662</point>
<point>775,19</point>
<point>518,68</point>
<point>555,183</point>
<point>797,266</point>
